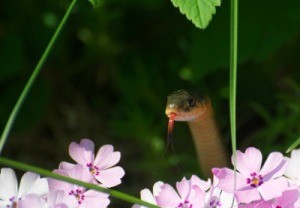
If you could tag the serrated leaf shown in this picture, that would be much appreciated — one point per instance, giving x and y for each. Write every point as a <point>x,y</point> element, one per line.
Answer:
<point>96,3</point>
<point>200,12</point>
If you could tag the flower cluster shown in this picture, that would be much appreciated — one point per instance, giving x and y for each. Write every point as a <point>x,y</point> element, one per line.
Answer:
<point>276,184</point>
<point>36,192</point>
<point>190,193</point>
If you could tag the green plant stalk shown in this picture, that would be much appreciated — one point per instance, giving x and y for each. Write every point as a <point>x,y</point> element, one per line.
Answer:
<point>233,77</point>
<point>293,146</point>
<point>33,77</point>
<point>114,193</point>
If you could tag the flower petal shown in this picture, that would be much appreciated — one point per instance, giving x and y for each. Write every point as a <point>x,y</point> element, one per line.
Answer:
<point>157,188</point>
<point>273,188</point>
<point>95,199</point>
<point>274,166</point>
<point>56,197</point>
<point>147,196</point>
<point>204,185</point>
<point>106,157</point>
<point>227,199</point>
<point>288,198</point>
<point>79,172</point>
<point>196,197</point>
<point>31,183</point>
<point>9,184</point>
<point>66,165</point>
<point>226,179</point>
<point>183,188</point>
<point>262,204</point>
<point>167,197</point>
<point>248,162</point>
<point>111,177</point>
<point>247,196</point>
<point>31,200</point>
<point>293,170</point>
<point>57,184</point>
<point>82,153</point>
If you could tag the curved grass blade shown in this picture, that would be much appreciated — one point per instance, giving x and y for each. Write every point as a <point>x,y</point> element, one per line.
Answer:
<point>293,146</point>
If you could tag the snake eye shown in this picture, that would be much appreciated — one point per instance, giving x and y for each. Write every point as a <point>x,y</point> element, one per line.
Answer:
<point>191,102</point>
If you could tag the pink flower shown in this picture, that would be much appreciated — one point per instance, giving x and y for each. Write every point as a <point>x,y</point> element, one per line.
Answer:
<point>188,194</point>
<point>219,197</point>
<point>77,196</point>
<point>101,166</point>
<point>11,194</point>
<point>147,196</point>
<point>253,182</point>
<point>287,200</point>
<point>193,193</point>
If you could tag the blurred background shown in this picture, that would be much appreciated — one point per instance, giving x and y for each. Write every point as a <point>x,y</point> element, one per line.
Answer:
<point>112,68</point>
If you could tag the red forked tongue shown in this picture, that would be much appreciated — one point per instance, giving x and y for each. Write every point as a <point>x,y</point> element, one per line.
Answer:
<point>170,126</point>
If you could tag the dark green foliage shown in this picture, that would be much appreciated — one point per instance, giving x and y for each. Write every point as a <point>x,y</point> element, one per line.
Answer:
<point>113,67</point>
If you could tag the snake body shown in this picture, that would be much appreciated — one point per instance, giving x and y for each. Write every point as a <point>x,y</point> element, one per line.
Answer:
<point>197,110</point>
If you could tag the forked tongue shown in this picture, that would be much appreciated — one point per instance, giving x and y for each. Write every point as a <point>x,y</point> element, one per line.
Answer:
<point>171,126</point>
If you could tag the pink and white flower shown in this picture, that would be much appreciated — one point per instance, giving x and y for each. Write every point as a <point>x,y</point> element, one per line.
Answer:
<point>293,168</point>
<point>287,200</point>
<point>187,195</point>
<point>146,195</point>
<point>77,196</point>
<point>190,193</point>
<point>253,182</point>
<point>101,166</point>
<point>11,194</point>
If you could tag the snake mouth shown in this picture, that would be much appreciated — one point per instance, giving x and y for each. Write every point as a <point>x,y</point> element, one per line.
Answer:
<point>172,115</point>
<point>171,111</point>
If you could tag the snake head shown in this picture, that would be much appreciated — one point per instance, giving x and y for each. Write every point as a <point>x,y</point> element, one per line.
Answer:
<point>186,105</point>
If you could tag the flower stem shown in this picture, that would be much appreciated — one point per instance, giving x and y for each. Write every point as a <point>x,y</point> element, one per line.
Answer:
<point>233,76</point>
<point>114,193</point>
<point>33,77</point>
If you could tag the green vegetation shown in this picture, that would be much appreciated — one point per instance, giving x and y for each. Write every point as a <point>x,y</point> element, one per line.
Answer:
<point>113,66</point>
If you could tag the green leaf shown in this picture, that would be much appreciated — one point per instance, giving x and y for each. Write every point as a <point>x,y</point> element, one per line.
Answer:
<point>198,11</point>
<point>96,3</point>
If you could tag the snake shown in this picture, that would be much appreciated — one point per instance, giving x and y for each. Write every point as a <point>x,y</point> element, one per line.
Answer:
<point>196,109</point>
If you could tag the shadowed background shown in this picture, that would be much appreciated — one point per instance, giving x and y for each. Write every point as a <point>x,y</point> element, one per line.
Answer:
<point>108,77</point>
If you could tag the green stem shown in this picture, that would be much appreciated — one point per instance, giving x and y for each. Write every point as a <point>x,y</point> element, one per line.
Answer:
<point>293,146</point>
<point>233,75</point>
<point>33,77</point>
<point>114,193</point>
